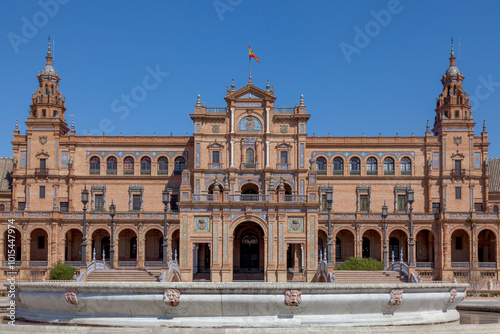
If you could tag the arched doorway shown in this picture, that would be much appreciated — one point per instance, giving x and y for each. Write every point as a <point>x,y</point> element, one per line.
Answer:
<point>153,248</point>
<point>72,248</point>
<point>249,192</point>
<point>460,249</point>
<point>371,245</point>
<point>248,252</point>
<point>487,249</point>
<point>397,243</point>
<point>100,243</point>
<point>12,242</point>
<point>344,246</point>
<point>39,250</point>
<point>127,248</point>
<point>425,249</point>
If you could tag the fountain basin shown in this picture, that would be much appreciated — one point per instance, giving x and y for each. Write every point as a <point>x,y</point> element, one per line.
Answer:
<point>248,304</point>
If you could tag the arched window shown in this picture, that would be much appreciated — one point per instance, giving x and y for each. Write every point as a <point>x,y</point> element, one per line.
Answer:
<point>180,164</point>
<point>389,166</point>
<point>371,166</point>
<point>162,166</point>
<point>405,166</point>
<point>128,166</point>
<point>495,208</point>
<point>355,166</point>
<point>146,166</point>
<point>2,207</point>
<point>95,165</point>
<point>321,165</point>
<point>111,166</point>
<point>338,166</point>
<point>249,158</point>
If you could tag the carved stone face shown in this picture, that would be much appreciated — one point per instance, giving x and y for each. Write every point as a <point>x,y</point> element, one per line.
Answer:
<point>172,297</point>
<point>396,297</point>
<point>71,296</point>
<point>293,297</point>
<point>453,296</point>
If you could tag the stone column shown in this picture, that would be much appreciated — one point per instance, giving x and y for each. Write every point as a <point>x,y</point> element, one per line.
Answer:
<point>267,120</point>
<point>232,153</point>
<point>232,121</point>
<point>267,153</point>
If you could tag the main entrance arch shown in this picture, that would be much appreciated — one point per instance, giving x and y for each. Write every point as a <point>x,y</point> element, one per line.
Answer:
<point>248,252</point>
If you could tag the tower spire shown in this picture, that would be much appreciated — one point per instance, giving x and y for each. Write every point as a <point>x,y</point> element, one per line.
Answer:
<point>452,54</point>
<point>49,54</point>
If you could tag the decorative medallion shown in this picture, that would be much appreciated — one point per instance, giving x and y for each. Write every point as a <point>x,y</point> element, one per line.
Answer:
<point>249,124</point>
<point>42,140</point>
<point>453,296</point>
<point>216,128</point>
<point>171,297</point>
<point>457,140</point>
<point>295,224</point>
<point>293,297</point>
<point>71,296</point>
<point>284,128</point>
<point>202,224</point>
<point>396,297</point>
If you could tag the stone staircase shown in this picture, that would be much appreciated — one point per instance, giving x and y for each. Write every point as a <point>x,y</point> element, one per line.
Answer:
<point>358,276</point>
<point>116,275</point>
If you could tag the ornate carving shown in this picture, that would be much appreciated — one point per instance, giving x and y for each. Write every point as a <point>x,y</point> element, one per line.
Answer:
<point>171,297</point>
<point>284,128</point>
<point>71,296</point>
<point>396,297</point>
<point>215,128</point>
<point>42,139</point>
<point>293,297</point>
<point>453,296</point>
<point>457,140</point>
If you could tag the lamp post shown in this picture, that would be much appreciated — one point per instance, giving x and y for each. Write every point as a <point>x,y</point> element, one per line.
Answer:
<point>329,200</point>
<point>112,213</point>
<point>166,201</point>
<point>85,200</point>
<point>410,197</point>
<point>384,217</point>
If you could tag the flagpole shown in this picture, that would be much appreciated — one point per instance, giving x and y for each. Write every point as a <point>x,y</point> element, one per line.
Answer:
<point>249,64</point>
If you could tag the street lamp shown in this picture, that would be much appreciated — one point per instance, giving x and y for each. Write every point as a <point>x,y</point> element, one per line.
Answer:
<point>166,201</point>
<point>384,217</point>
<point>112,213</point>
<point>329,200</point>
<point>85,200</point>
<point>410,197</point>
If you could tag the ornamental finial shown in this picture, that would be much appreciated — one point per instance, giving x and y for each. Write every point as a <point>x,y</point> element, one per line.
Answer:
<point>198,102</point>
<point>301,99</point>
<point>484,125</point>
<point>427,127</point>
<point>232,85</point>
<point>267,86</point>
<point>17,126</point>
<point>72,125</point>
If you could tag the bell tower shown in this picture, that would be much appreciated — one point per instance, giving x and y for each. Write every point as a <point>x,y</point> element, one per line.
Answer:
<point>47,103</point>
<point>453,109</point>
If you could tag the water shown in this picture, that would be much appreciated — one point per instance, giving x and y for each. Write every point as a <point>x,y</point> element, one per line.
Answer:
<point>473,317</point>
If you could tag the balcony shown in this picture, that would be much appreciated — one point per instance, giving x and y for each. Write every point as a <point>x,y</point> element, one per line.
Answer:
<point>371,172</point>
<point>491,265</point>
<point>338,172</point>
<point>177,172</point>
<point>214,166</point>
<point>145,171</point>
<point>406,172</point>
<point>296,198</point>
<point>95,171</point>
<point>41,172</point>
<point>111,172</point>
<point>202,197</point>
<point>388,172</point>
<point>425,265</point>
<point>38,263</point>
<point>162,172</point>
<point>128,171</point>
<point>458,172</point>
<point>283,166</point>
<point>321,172</point>
<point>216,110</point>
<point>462,265</point>
<point>249,198</point>
<point>355,172</point>
<point>249,166</point>
<point>284,110</point>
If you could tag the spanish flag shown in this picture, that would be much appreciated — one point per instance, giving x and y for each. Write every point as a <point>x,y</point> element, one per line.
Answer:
<point>251,54</point>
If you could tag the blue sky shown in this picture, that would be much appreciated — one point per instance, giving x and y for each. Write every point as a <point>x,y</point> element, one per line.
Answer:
<point>387,82</point>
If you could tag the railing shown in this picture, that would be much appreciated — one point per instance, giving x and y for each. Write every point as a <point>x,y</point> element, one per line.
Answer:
<point>41,171</point>
<point>355,172</point>
<point>162,172</point>
<point>487,264</point>
<point>338,172</point>
<point>38,263</point>
<point>458,172</point>
<point>321,172</point>
<point>401,267</point>
<point>177,172</point>
<point>73,263</point>
<point>284,110</point>
<point>406,172</point>
<point>415,279</point>
<point>248,198</point>
<point>15,263</point>
<point>460,265</point>
<point>127,263</point>
<point>94,171</point>
<point>283,166</point>
<point>153,263</point>
<point>48,99</point>
<point>214,166</point>
<point>216,110</point>
<point>97,265</point>
<point>295,198</point>
<point>202,197</point>
<point>425,265</point>
<point>145,171</point>
<point>249,166</point>
<point>388,172</point>
<point>128,172</point>
<point>111,172</point>
<point>371,172</point>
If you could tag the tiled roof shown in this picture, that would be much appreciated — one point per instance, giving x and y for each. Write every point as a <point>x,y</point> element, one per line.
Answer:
<point>6,165</point>
<point>494,167</point>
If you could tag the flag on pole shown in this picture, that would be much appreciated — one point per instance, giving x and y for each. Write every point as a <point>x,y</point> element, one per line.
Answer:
<point>251,54</point>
